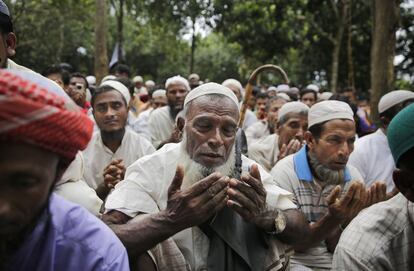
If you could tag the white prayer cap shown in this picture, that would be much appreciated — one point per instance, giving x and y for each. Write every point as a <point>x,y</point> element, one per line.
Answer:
<point>324,96</point>
<point>312,87</point>
<point>108,77</point>
<point>118,86</point>
<point>210,88</point>
<point>177,79</point>
<point>149,83</point>
<point>194,77</point>
<point>91,80</point>
<point>159,93</point>
<point>138,79</point>
<point>292,107</point>
<point>283,88</point>
<point>329,110</point>
<point>233,82</point>
<point>271,88</point>
<point>393,98</point>
<point>284,96</point>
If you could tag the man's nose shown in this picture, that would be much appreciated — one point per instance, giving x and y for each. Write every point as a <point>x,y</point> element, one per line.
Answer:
<point>216,139</point>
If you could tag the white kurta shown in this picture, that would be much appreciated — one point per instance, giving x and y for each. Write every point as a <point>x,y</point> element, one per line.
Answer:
<point>265,151</point>
<point>145,190</point>
<point>256,131</point>
<point>373,159</point>
<point>97,156</point>
<point>161,125</point>
<point>73,188</point>
<point>140,124</point>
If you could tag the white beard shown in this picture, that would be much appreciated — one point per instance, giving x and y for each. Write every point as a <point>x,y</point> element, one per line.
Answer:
<point>194,172</point>
<point>326,175</point>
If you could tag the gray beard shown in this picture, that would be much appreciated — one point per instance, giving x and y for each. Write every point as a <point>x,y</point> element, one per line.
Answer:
<point>194,172</point>
<point>324,174</point>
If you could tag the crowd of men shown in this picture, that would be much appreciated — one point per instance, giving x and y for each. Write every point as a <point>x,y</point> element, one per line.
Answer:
<point>124,174</point>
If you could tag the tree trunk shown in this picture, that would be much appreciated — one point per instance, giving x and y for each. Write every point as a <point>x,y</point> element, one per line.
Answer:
<point>193,45</point>
<point>385,20</point>
<point>120,26</point>
<point>350,60</point>
<point>101,57</point>
<point>337,42</point>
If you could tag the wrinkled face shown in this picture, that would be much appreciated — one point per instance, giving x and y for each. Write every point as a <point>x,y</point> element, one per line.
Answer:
<point>110,111</point>
<point>27,174</point>
<point>308,99</point>
<point>210,129</point>
<point>273,112</point>
<point>159,101</point>
<point>294,128</point>
<point>235,90</point>
<point>176,93</point>
<point>335,144</point>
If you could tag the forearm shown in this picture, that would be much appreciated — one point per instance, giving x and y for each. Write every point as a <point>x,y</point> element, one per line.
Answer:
<point>142,232</point>
<point>297,228</point>
<point>319,231</point>
<point>102,191</point>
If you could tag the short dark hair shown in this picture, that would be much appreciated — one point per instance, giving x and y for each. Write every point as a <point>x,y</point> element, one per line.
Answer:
<point>78,74</point>
<point>121,68</point>
<point>103,89</point>
<point>6,25</point>
<point>317,130</point>
<point>56,69</point>
<point>262,95</point>
<point>306,91</point>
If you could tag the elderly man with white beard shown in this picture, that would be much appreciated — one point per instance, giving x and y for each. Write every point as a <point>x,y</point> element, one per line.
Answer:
<point>182,206</point>
<point>326,189</point>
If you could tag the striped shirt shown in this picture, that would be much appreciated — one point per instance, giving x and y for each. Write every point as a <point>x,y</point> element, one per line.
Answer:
<point>379,238</point>
<point>294,175</point>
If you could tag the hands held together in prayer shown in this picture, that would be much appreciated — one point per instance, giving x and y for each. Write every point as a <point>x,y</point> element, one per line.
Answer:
<point>357,197</point>
<point>201,201</point>
<point>114,173</point>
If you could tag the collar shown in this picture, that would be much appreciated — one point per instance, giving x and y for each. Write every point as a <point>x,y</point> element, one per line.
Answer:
<point>302,167</point>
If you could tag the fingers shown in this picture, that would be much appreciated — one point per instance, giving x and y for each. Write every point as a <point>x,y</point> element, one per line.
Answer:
<point>243,201</point>
<point>333,196</point>
<point>358,200</point>
<point>177,181</point>
<point>204,184</point>
<point>110,181</point>
<point>347,198</point>
<point>253,179</point>
<point>219,200</point>
<point>293,146</point>
<point>214,189</point>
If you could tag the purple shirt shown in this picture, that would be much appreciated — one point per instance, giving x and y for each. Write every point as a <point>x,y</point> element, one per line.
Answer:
<point>68,237</point>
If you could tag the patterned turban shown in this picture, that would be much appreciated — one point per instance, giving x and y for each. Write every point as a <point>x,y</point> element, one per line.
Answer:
<point>37,111</point>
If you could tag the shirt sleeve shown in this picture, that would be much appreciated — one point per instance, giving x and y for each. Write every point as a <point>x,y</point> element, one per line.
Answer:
<point>347,260</point>
<point>121,263</point>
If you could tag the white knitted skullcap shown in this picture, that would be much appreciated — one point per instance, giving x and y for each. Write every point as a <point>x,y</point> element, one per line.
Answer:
<point>324,96</point>
<point>292,107</point>
<point>233,82</point>
<point>108,77</point>
<point>283,88</point>
<point>138,79</point>
<point>118,86</point>
<point>284,96</point>
<point>393,98</point>
<point>177,79</point>
<point>159,93</point>
<point>312,87</point>
<point>210,88</point>
<point>329,110</point>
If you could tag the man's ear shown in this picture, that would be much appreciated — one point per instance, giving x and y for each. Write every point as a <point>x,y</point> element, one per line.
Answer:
<point>403,184</point>
<point>310,139</point>
<point>11,44</point>
<point>180,123</point>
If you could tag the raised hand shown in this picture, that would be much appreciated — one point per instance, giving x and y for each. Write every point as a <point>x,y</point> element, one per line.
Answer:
<point>198,203</point>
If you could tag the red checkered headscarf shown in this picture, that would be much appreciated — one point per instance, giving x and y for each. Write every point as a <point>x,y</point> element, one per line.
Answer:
<point>37,111</point>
